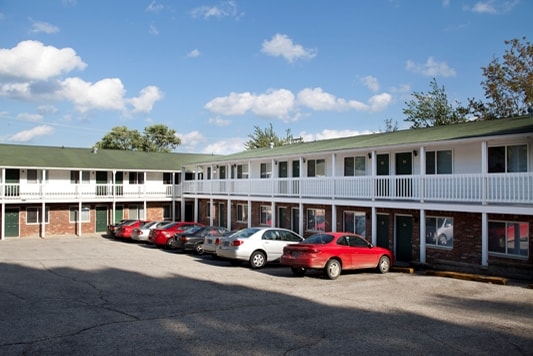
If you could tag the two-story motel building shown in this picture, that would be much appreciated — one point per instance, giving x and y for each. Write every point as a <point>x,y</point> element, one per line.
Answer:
<point>458,195</point>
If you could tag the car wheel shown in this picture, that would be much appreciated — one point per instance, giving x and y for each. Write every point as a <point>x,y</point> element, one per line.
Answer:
<point>257,259</point>
<point>169,244</point>
<point>333,269</point>
<point>199,249</point>
<point>384,264</point>
<point>443,240</point>
<point>298,271</point>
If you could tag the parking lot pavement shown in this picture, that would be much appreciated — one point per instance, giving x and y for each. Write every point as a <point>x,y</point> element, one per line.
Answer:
<point>94,295</point>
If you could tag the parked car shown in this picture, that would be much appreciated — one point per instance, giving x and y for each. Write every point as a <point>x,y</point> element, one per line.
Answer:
<point>141,233</point>
<point>211,243</point>
<point>257,245</point>
<point>112,228</point>
<point>193,239</point>
<point>124,231</point>
<point>162,236</point>
<point>333,252</point>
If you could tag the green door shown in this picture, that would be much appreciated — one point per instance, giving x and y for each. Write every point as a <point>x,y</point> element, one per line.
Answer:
<point>404,167</point>
<point>119,213</point>
<point>12,222</point>
<point>404,243</point>
<point>222,214</point>
<point>383,230</point>
<point>101,219</point>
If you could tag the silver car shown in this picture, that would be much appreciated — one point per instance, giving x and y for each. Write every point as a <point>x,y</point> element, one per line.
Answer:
<point>257,245</point>
<point>141,233</point>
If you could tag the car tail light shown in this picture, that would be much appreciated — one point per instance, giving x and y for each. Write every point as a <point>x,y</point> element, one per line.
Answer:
<point>217,242</point>
<point>185,239</point>
<point>237,242</point>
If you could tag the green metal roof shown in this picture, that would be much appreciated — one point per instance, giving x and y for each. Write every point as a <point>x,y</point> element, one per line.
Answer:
<point>462,131</point>
<point>86,158</point>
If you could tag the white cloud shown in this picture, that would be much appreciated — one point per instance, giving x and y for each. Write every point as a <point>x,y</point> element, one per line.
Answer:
<point>319,100</point>
<point>39,26</point>
<point>222,147</point>
<point>28,135</point>
<point>154,7</point>
<point>30,117</point>
<point>191,140</point>
<point>194,53</point>
<point>493,6</point>
<point>47,109</point>
<point>31,60</point>
<point>104,94</point>
<point>153,30</point>
<point>224,9</point>
<point>431,68</point>
<point>283,104</point>
<point>147,98</point>
<point>217,121</point>
<point>282,46</point>
<point>328,134</point>
<point>371,83</point>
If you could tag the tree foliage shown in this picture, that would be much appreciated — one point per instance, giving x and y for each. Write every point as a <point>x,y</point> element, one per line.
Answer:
<point>432,108</point>
<point>508,84</point>
<point>267,137</point>
<point>155,138</point>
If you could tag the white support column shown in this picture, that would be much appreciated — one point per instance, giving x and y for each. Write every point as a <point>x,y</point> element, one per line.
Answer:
<point>43,220</point>
<point>79,216</point>
<point>228,212</point>
<point>422,236</point>
<point>484,171</point>
<point>273,222</point>
<point>334,218</point>
<point>422,173</point>
<point>484,239</point>
<point>249,213</point>
<point>114,192</point>
<point>302,217</point>
<point>212,211</point>
<point>374,222</point>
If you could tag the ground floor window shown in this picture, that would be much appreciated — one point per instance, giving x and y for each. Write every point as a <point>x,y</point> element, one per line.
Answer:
<point>85,215</point>
<point>509,237</point>
<point>242,212</point>
<point>35,216</point>
<point>355,221</point>
<point>136,212</point>
<point>316,220</point>
<point>439,231</point>
<point>167,212</point>
<point>265,217</point>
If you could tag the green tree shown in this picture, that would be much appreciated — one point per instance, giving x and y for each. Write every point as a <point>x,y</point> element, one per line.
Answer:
<point>159,138</point>
<point>155,138</point>
<point>432,108</point>
<point>508,84</point>
<point>267,137</point>
<point>389,126</point>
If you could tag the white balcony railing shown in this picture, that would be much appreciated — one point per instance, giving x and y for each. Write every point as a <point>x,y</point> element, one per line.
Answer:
<point>86,192</point>
<point>515,188</point>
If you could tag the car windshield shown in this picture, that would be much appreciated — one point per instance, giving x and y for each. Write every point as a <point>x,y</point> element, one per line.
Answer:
<point>318,239</point>
<point>245,233</point>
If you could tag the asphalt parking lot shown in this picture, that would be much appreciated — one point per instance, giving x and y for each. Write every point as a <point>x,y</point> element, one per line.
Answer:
<point>94,295</point>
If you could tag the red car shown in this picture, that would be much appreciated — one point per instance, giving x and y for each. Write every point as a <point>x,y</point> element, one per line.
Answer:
<point>163,236</point>
<point>333,252</point>
<point>124,231</point>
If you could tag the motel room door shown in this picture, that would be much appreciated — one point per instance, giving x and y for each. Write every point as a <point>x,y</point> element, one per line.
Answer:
<point>404,243</point>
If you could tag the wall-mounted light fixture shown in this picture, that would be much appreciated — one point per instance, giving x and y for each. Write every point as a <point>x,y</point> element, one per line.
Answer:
<point>415,152</point>
<point>303,160</point>
<point>369,155</point>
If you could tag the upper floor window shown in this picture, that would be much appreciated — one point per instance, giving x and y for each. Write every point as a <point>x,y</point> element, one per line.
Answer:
<point>36,176</point>
<point>136,178</point>
<point>509,237</point>
<point>316,168</point>
<point>508,159</point>
<point>266,170</point>
<point>242,171</point>
<point>75,177</point>
<point>354,166</point>
<point>439,162</point>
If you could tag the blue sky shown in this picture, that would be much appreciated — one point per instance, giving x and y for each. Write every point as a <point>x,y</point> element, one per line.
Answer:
<point>71,70</point>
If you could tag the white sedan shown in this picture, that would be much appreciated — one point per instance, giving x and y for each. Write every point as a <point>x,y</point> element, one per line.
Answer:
<point>257,245</point>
